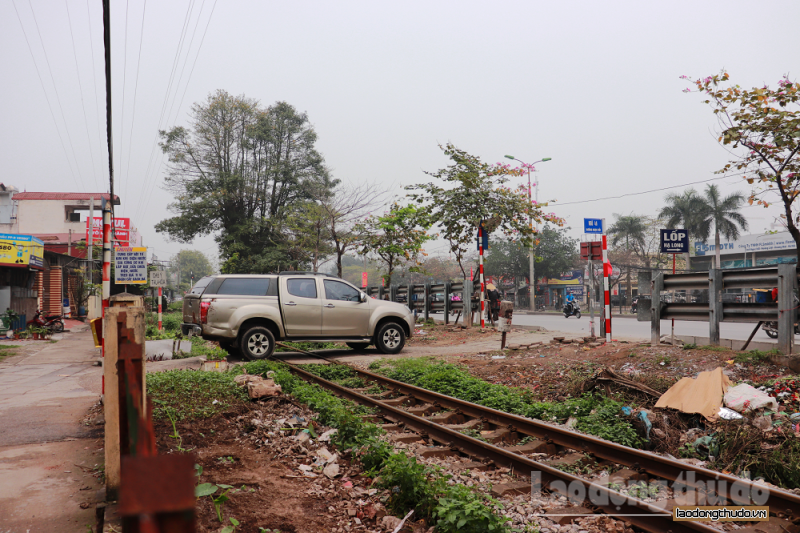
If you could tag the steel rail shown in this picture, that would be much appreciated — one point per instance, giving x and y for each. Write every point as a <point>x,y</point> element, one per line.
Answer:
<point>670,469</point>
<point>641,514</point>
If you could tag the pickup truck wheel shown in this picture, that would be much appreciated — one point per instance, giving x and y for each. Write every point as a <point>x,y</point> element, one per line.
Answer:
<point>390,338</point>
<point>358,346</point>
<point>258,343</point>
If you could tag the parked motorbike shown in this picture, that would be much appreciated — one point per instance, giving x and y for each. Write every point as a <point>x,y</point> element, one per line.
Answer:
<point>54,323</point>
<point>634,305</point>
<point>771,329</point>
<point>572,309</point>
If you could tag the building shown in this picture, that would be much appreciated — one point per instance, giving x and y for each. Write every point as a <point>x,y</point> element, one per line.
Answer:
<point>746,251</point>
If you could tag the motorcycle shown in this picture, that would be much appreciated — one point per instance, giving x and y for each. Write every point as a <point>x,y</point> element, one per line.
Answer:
<point>634,305</point>
<point>572,309</point>
<point>771,329</point>
<point>54,323</point>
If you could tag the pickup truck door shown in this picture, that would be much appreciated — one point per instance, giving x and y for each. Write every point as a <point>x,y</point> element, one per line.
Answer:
<point>343,313</point>
<point>301,306</point>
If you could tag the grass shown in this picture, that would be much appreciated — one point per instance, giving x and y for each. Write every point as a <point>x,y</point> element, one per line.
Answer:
<point>309,346</point>
<point>712,348</point>
<point>7,351</point>
<point>755,357</point>
<point>188,394</point>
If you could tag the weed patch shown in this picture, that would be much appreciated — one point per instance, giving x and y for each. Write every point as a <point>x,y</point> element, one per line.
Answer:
<point>742,449</point>
<point>187,394</point>
<point>595,414</point>
<point>755,357</point>
<point>712,348</point>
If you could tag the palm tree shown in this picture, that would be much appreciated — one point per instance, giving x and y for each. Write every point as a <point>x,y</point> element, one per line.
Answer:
<point>630,230</point>
<point>723,213</point>
<point>682,210</point>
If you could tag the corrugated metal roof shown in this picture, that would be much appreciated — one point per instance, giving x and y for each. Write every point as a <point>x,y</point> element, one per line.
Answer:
<point>63,196</point>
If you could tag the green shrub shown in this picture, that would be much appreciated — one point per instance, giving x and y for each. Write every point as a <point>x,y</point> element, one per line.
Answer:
<point>461,510</point>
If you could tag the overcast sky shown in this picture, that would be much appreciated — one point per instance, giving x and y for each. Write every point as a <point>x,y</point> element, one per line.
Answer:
<point>593,85</point>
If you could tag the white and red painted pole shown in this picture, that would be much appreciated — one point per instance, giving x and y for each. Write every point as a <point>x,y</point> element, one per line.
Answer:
<point>159,309</point>
<point>106,268</point>
<point>480,254</point>
<point>606,291</point>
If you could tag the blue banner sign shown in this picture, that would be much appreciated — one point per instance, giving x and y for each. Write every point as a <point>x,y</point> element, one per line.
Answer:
<point>593,225</point>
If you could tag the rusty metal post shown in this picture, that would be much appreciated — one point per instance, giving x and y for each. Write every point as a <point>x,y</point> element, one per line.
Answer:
<point>504,320</point>
<point>124,340</point>
<point>787,309</point>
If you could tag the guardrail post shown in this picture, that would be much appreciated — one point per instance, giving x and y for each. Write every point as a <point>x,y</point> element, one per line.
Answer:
<point>714,305</point>
<point>427,301</point>
<point>787,285</point>
<point>656,286</point>
<point>466,303</point>
<point>447,303</point>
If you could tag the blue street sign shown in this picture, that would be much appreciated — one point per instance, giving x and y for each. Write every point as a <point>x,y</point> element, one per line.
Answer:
<point>593,225</point>
<point>674,241</point>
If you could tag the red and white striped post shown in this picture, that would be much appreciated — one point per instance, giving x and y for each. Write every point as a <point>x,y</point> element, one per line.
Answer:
<point>606,291</point>
<point>480,254</point>
<point>159,309</point>
<point>106,206</point>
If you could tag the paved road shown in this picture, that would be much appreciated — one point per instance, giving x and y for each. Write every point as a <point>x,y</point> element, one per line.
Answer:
<point>46,452</point>
<point>629,328</point>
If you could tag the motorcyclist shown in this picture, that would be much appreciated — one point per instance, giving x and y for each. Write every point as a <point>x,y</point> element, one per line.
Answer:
<point>570,300</point>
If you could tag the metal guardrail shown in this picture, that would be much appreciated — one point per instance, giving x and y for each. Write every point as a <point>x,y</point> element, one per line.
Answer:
<point>783,277</point>
<point>427,298</point>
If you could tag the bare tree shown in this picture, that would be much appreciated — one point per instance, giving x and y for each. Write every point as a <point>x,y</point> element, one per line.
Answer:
<point>344,209</point>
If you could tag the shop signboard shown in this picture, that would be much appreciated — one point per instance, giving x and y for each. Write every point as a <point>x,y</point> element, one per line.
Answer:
<point>21,251</point>
<point>121,231</point>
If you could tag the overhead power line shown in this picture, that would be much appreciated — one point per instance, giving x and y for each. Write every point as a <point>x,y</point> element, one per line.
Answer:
<point>55,87</point>
<point>135,92</point>
<point>46,97</point>
<point>80,88</point>
<point>648,192</point>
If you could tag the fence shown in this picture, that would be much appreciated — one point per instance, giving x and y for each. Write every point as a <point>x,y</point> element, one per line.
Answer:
<point>784,277</point>
<point>430,298</point>
<point>156,492</point>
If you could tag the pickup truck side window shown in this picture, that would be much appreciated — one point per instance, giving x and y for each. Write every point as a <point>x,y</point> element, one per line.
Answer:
<point>336,290</point>
<point>302,288</point>
<point>245,286</point>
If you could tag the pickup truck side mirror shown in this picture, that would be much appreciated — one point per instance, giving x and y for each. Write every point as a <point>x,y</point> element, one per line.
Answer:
<point>362,297</point>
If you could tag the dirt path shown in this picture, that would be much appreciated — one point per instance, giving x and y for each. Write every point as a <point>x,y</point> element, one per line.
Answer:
<point>48,451</point>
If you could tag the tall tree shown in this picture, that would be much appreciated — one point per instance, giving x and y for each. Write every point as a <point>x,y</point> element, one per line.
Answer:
<point>190,265</point>
<point>724,214</point>
<point>764,125</point>
<point>683,209</point>
<point>630,231</point>
<point>471,190</point>
<point>235,171</point>
<point>344,208</point>
<point>396,238</point>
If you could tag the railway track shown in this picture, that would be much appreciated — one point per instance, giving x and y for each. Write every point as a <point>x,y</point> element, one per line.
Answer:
<point>441,420</point>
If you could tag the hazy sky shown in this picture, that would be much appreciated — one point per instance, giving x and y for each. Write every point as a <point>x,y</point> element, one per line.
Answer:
<point>593,85</point>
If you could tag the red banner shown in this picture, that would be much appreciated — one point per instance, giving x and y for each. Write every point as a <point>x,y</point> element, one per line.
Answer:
<point>363,279</point>
<point>122,231</point>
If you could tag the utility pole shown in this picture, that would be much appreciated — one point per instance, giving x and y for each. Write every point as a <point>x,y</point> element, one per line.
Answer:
<point>90,236</point>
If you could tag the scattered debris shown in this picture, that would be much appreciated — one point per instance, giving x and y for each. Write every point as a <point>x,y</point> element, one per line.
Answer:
<point>702,395</point>
<point>744,397</point>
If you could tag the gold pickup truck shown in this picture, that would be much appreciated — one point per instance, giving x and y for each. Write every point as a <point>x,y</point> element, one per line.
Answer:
<point>248,313</point>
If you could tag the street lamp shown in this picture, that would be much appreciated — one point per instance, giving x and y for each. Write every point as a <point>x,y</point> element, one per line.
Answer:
<point>530,221</point>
